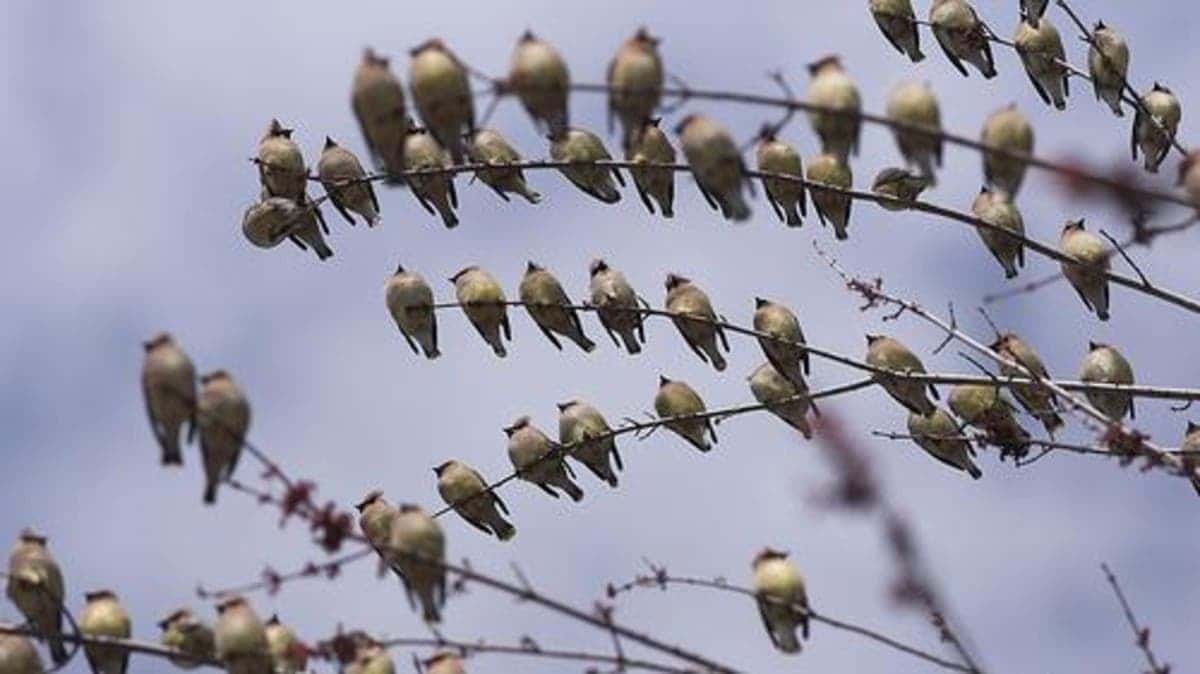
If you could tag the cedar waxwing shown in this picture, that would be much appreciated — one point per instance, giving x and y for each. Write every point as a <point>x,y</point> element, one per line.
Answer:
<point>693,315</point>
<point>1041,50</point>
<point>1148,136</point>
<point>1189,176</point>
<point>18,655</point>
<point>444,662</point>
<point>410,300</point>
<point>489,148</point>
<point>941,438</point>
<point>899,184</point>
<point>841,127</point>
<point>588,437</point>
<point>547,303</point>
<point>1039,401</point>
<point>483,302</point>
<point>339,165</point>
<point>1191,443</point>
<point>889,354</point>
<point>1105,365</point>
<point>371,659</point>
<point>649,145</point>
<point>782,599</point>
<point>779,322</point>
<point>962,36</point>
<point>997,209</point>
<point>899,25</point>
<point>377,99</point>
<point>35,587</point>
<point>914,104</point>
<point>434,191</point>
<point>1108,63</point>
<point>289,655</point>
<point>1006,129</point>
<point>281,167</point>
<point>617,306</point>
<point>223,417</point>
<point>770,387</point>
<point>716,164</point>
<point>268,222</point>
<point>241,638</point>
<point>832,207</point>
<point>676,398</point>
<point>465,490</point>
<point>1034,8</point>
<point>375,517</point>
<point>1087,273</point>
<point>982,406</point>
<point>417,549</point>
<point>635,81</point>
<point>539,77</point>
<point>103,616</point>
<point>442,95</point>
<point>787,198</point>
<point>539,461</point>
<point>306,230</point>
<point>169,387</point>
<point>579,145</point>
<point>186,633</point>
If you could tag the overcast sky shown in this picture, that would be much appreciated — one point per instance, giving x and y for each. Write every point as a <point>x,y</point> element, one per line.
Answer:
<point>128,126</point>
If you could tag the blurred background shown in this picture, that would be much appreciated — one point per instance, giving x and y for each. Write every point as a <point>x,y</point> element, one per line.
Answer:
<point>128,127</point>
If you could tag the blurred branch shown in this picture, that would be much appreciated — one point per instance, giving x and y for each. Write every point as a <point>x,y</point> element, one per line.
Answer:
<point>129,645</point>
<point>1142,634</point>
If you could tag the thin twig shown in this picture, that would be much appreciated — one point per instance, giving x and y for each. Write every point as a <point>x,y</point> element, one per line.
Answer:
<point>1141,634</point>
<point>467,648</point>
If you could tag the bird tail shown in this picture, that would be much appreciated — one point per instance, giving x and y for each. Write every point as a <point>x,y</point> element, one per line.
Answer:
<point>793,216</point>
<point>973,470</point>
<point>737,209</point>
<point>429,611</point>
<point>572,489</point>
<point>631,343</point>
<point>717,359</point>
<point>531,195</point>
<point>584,343</point>
<point>210,492</point>
<point>448,216</point>
<point>498,347</point>
<point>504,530</point>
<point>58,651</point>
<point>786,640</point>
<point>171,454</point>
<point>324,252</point>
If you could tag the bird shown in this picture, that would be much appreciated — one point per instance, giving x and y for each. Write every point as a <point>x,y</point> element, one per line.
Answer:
<point>465,490</point>
<point>288,654</point>
<point>35,586</point>
<point>241,638</point>
<point>1154,134</point>
<point>586,432</point>
<point>223,418</point>
<point>962,36</point>
<point>1087,266</point>
<point>104,617</point>
<point>417,550</point>
<point>489,148</point>
<point>635,83</point>
<point>675,399</point>
<point>996,209</point>
<point>838,124</point>
<point>1103,364</point>
<point>939,436</point>
<point>781,334</point>
<point>898,23</point>
<point>580,149</point>
<point>377,99</point>
<point>693,315</point>
<point>913,104</point>
<point>617,306</point>
<point>346,182</point>
<point>435,191</point>
<point>782,599</point>
<point>18,655</point>
<point>371,658</point>
<point>716,164</point>
<point>483,302</point>
<point>409,300</point>
<point>539,77</point>
<point>902,185</point>
<point>266,223</point>
<point>307,228</point>
<point>539,461</point>
<point>184,632</point>
<point>549,306</point>
<point>1041,50</point>
<point>832,207</point>
<point>1037,400</point>
<point>444,662</point>
<point>983,407</point>
<point>442,95</point>
<point>281,167</point>
<point>1007,130</point>
<point>771,388</point>
<point>169,389</point>
<point>1108,65</point>
<point>375,517</point>
<point>786,197</point>
<point>1191,443</point>
<point>649,145</point>
<point>891,356</point>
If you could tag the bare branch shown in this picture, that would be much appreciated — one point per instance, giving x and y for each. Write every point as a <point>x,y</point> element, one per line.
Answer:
<point>1142,634</point>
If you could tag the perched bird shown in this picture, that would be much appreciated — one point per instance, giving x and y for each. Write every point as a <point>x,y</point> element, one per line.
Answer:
<point>983,407</point>
<point>914,104</point>
<point>539,460</point>
<point>266,223</point>
<point>889,354</point>
<point>649,145</point>
<point>489,148</point>
<point>1191,443</point>
<point>288,654</point>
<point>782,599</point>
<point>1108,64</point>
<point>839,126</point>
<point>1034,8</point>
<point>1103,364</point>
<point>18,655</point>
<point>832,207</point>
<point>344,179</point>
<point>778,322</point>
<point>716,164</point>
<point>899,25</point>
<point>377,99</point>
<point>35,587</point>
<point>442,95</point>
<point>693,315</point>
<point>635,81</point>
<point>307,231</point>
<point>444,662</point>
<point>409,300</point>
<point>938,435</point>
<point>616,305</point>
<point>169,387</point>
<point>1041,50</point>
<point>281,167</point>
<point>538,75</point>
<point>996,209</point>
<point>547,303</point>
<point>676,398</point>
<point>1009,131</point>
<point>241,638</point>
<point>899,184</point>
<point>962,36</point>
<point>589,436</point>
<point>417,550</point>
<point>1153,135</point>
<point>186,633</point>
<point>771,388</point>
<point>434,191</point>
<point>787,198</point>
<point>1189,176</point>
<point>375,517</point>
<point>371,659</point>
<point>1039,401</point>
<point>483,302</point>
<point>103,616</point>
<point>1087,273</point>
<point>582,148</point>
<point>465,490</point>
<point>223,417</point>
